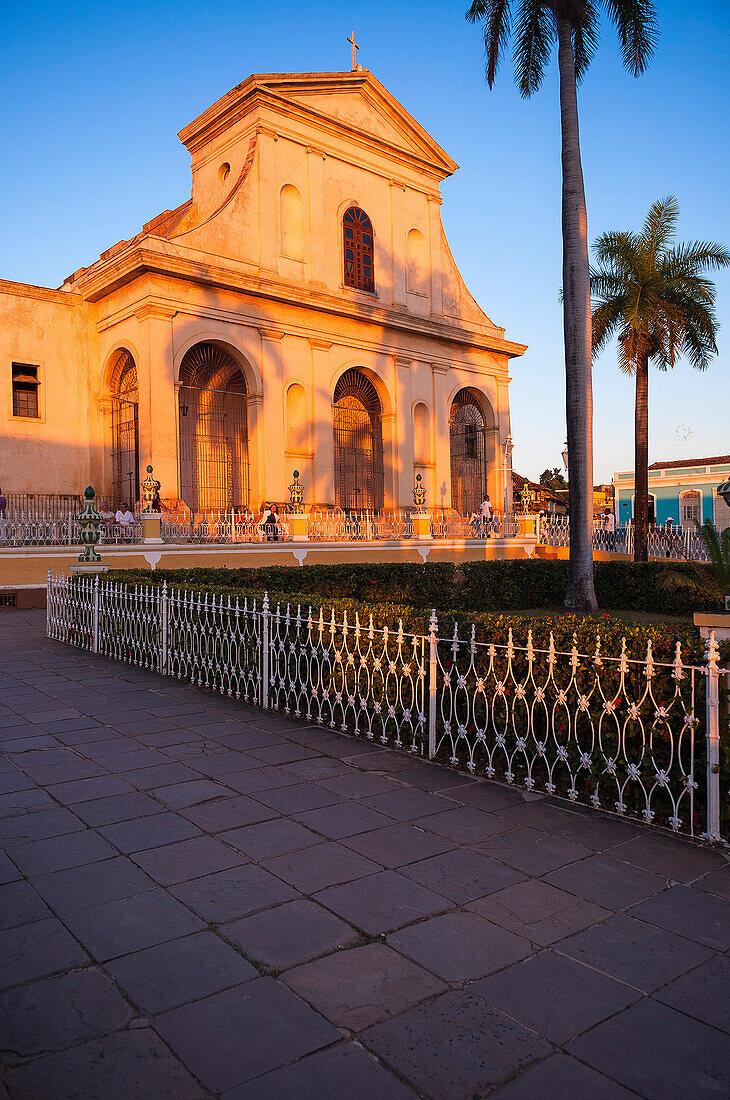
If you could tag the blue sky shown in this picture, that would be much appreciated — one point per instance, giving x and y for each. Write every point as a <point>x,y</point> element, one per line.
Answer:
<point>92,96</point>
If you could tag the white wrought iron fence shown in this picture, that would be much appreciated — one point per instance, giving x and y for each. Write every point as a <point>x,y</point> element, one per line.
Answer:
<point>222,527</point>
<point>632,735</point>
<point>675,543</point>
<point>231,527</point>
<point>43,530</point>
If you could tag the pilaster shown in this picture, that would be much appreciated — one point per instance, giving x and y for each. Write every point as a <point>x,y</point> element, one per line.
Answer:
<point>397,244</point>
<point>268,200</point>
<point>323,463</point>
<point>272,442</point>
<point>442,450</point>
<point>435,255</point>
<point>316,235</point>
<point>157,409</point>
<point>404,426</point>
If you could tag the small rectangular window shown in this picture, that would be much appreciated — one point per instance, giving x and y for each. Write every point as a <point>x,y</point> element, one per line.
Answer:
<point>25,390</point>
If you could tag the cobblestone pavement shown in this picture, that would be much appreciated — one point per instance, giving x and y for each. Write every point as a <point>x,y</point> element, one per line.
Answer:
<point>202,899</point>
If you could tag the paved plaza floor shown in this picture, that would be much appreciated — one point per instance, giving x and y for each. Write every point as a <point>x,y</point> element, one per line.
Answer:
<point>202,899</point>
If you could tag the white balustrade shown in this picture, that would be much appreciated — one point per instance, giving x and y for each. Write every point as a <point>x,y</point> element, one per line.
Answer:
<point>674,543</point>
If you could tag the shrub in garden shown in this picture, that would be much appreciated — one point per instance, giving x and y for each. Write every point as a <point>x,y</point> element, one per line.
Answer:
<point>504,585</point>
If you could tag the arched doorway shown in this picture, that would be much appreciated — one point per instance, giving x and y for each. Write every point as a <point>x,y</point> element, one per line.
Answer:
<point>125,429</point>
<point>357,417</point>
<point>467,440</point>
<point>213,430</point>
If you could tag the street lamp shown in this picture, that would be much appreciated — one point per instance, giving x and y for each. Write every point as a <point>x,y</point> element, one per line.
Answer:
<point>508,449</point>
<point>724,491</point>
<point>565,455</point>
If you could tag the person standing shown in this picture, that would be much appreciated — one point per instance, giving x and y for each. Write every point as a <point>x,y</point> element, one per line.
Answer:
<point>272,534</point>
<point>610,528</point>
<point>486,512</point>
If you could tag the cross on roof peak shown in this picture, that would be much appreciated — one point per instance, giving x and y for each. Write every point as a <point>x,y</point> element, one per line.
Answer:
<point>355,48</point>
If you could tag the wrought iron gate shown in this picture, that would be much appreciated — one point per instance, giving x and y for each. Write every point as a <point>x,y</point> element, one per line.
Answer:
<point>213,431</point>
<point>125,431</point>
<point>358,444</point>
<point>467,438</point>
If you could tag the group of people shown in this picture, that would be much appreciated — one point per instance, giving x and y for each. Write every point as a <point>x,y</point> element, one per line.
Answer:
<point>123,516</point>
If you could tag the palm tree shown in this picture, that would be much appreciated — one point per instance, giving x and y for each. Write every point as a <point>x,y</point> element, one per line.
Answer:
<point>574,25</point>
<point>651,293</point>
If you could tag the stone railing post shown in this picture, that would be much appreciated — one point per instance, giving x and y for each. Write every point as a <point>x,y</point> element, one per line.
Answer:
<point>432,674</point>
<point>265,630</point>
<point>95,637</point>
<point>163,628</point>
<point>712,654</point>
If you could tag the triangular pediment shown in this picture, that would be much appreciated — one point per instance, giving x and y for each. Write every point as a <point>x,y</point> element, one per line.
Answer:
<point>353,101</point>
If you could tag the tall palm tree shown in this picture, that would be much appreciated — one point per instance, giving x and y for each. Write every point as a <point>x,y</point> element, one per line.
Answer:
<point>574,25</point>
<point>652,294</point>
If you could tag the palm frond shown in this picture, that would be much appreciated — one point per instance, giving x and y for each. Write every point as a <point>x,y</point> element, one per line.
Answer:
<point>673,581</point>
<point>606,320</point>
<point>701,255</point>
<point>617,249</point>
<point>496,15</point>
<point>718,551</point>
<point>660,225</point>
<point>638,31</point>
<point>534,37</point>
<point>585,38</point>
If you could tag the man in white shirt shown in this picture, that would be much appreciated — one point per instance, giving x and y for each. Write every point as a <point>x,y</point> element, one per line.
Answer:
<point>486,511</point>
<point>123,516</point>
<point>610,528</point>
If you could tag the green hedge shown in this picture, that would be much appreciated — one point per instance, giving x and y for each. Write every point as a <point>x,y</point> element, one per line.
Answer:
<point>492,586</point>
<point>489,627</point>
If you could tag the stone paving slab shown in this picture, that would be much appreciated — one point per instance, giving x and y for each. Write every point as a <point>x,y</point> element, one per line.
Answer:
<point>203,899</point>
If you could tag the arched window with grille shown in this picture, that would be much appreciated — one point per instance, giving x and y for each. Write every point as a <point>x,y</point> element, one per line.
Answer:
<point>125,429</point>
<point>359,249</point>
<point>467,440</point>
<point>213,430</point>
<point>357,416</point>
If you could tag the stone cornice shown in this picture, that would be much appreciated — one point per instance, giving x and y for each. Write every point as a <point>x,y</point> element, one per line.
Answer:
<point>152,255</point>
<point>154,311</point>
<point>41,293</point>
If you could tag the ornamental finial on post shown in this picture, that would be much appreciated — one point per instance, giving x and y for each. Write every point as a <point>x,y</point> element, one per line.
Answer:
<point>296,495</point>
<point>526,498</point>
<point>150,492</point>
<point>419,494</point>
<point>89,520</point>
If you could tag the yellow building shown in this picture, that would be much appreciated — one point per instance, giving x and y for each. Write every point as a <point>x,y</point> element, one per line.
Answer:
<point>301,310</point>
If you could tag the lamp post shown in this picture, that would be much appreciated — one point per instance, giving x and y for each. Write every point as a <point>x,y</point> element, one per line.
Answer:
<point>508,449</point>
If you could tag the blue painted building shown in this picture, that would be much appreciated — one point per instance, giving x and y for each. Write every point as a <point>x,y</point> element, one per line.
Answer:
<point>683,491</point>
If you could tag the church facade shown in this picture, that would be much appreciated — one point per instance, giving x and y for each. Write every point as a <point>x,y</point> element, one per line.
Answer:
<point>302,310</point>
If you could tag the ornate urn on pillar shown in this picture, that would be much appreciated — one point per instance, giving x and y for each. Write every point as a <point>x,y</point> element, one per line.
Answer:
<point>89,520</point>
<point>151,513</point>
<point>526,520</point>
<point>296,518</point>
<point>420,518</point>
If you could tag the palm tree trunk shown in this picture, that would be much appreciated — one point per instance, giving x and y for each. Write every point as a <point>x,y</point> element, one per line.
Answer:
<point>641,460</point>
<point>577,334</point>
